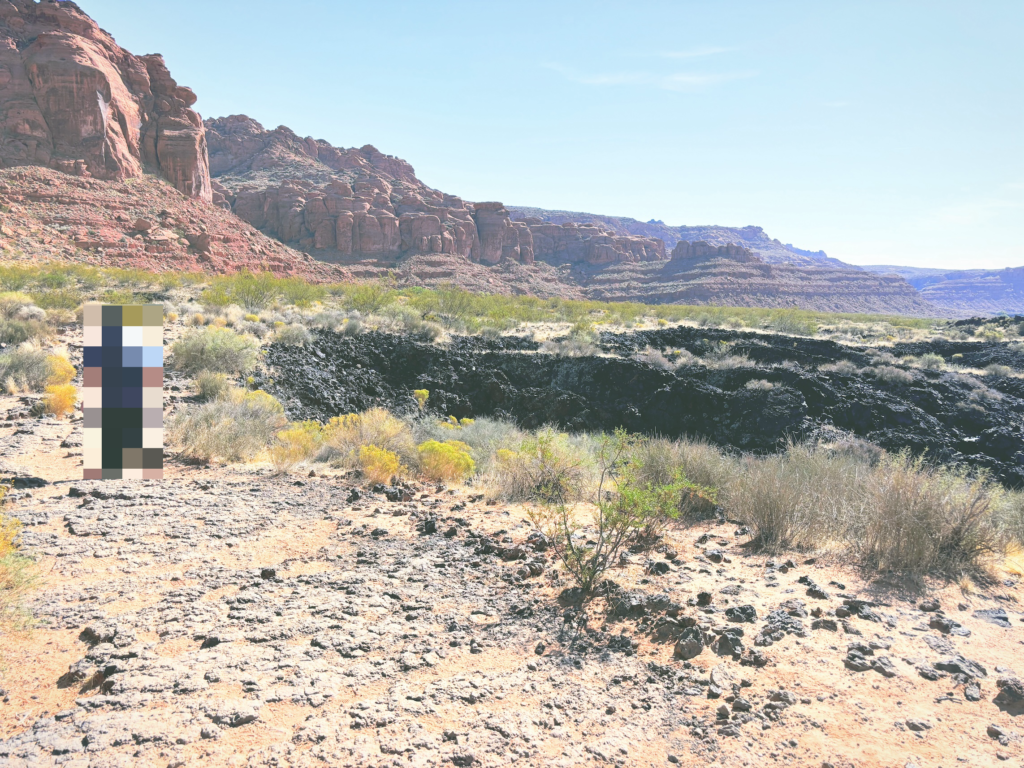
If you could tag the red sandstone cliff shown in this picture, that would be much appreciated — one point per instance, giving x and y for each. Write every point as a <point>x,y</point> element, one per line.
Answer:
<point>74,100</point>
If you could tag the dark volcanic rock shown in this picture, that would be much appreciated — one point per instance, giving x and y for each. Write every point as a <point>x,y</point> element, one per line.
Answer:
<point>472,377</point>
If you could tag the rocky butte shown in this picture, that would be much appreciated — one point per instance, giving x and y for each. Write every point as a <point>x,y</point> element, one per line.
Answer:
<point>74,100</point>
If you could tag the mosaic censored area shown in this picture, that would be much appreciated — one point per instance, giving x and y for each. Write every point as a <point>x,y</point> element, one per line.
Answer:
<point>122,396</point>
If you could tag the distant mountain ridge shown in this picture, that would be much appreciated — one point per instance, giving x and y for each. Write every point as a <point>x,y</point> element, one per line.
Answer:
<point>755,238</point>
<point>990,291</point>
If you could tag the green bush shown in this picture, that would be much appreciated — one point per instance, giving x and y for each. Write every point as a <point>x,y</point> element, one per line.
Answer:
<point>215,349</point>
<point>545,467</point>
<point>16,332</point>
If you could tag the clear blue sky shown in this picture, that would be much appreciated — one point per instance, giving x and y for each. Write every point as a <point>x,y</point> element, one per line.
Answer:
<point>882,132</point>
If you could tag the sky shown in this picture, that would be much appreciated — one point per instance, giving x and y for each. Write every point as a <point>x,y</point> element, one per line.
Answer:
<point>881,132</point>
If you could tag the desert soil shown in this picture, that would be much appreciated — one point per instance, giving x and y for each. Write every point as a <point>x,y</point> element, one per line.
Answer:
<point>224,616</point>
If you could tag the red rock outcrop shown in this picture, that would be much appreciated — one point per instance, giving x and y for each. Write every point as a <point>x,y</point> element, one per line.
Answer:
<point>73,100</point>
<point>704,250</point>
<point>342,205</point>
<point>575,243</point>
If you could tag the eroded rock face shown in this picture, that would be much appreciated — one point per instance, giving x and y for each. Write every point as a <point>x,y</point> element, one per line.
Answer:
<point>350,203</point>
<point>701,250</point>
<point>73,100</point>
<point>587,243</point>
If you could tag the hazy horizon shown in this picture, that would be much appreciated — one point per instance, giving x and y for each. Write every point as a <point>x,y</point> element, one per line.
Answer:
<point>881,133</point>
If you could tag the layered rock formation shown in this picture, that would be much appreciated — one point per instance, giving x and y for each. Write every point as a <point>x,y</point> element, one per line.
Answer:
<point>573,243</point>
<point>73,100</point>
<point>347,204</point>
<point>771,250</point>
<point>968,291</point>
<point>684,249</point>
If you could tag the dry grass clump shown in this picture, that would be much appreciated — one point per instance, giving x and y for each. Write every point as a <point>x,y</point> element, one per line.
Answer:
<point>347,435</point>
<point>574,345</point>
<point>18,574</point>
<point>294,335</point>
<point>998,370</point>
<point>891,375</point>
<point>920,519</point>
<point>215,349</point>
<point>211,385</point>
<point>235,427</point>
<point>31,370</point>
<point>655,358</point>
<point>759,385</point>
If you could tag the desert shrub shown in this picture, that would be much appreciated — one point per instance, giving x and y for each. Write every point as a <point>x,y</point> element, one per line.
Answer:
<point>762,385</point>
<point>1017,346</point>
<point>931,361</point>
<point>18,574</point>
<point>380,465</point>
<point>60,399</point>
<point>62,298</point>
<point>215,349</point>
<point>331,320</point>
<point>295,444</point>
<point>544,467</point>
<point>12,302</point>
<point>989,332</point>
<point>628,511</point>
<point>59,370</point>
<point>346,435</point>
<point>353,327</point>
<point>232,428</point>
<point>294,335</point>
<point>16,331</point>
<point>891,375</point>
<point>654,358</point>
<point>211,385</point>
<point>368,298</point>
<point>295,290</point>
<point>998,370</point>
<point>429,331</point>
<point>251,291</point>
<point>447,462</point>
<point>921,519</point>
<point>251,318</point>
<point>574,345</point>
<point>16,278</point>
<point>24,369</point>
<point>421,395</point>
<point>800,498</point>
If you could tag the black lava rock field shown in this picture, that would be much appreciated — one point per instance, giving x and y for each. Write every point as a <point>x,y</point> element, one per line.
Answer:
<point>950,416</point>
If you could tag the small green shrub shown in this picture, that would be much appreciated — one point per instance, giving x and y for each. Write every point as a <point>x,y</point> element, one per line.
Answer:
<point>61,298</point>
<point>421,395</point>
<point>16,332</point>
<point>347,435</point>
<point>215,349</point>
<point>931,361</point>
<point>998,370</point>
